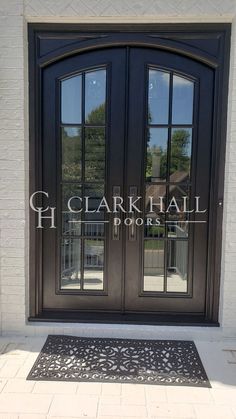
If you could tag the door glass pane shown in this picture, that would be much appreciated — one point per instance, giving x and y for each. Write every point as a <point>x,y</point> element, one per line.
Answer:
<point>71,222</point>
<point>179,203</point>
<point>71,154</point>
<point>95,224</point>
<point>95,97</point>
<point>153,265</point>
<point>153,229</point>
<point>94,154</point>
<point>83,175</point>
<point>158,97</point>
<point>155,210</point>
<point>182,105</point>
<point>167,178</point>
<point>180,158</point>
<point>71,100</point>
<point>156,160</point>
<point>70,263</point>
<point>94,192</point>
<point>93,264</point>
<point>177,265</point>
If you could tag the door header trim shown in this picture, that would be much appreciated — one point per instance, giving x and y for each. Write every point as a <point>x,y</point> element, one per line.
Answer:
<point>69,39</point>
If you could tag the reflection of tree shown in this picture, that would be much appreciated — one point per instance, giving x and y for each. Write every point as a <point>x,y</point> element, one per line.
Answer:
<point>71,154</point>
<point>97,115</point>
<point>69,190</point>
<point>95,145</point>
<point>94,149</point>
<point>180,159</point>
<point>94,154</point>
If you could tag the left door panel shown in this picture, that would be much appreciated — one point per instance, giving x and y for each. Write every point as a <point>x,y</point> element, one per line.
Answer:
<point>83,147</point>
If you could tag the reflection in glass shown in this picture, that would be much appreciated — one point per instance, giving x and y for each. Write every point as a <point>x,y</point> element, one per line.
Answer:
<point>177,266</point>
<point>177,192</point>
<point>95,97</point>
<point>94,225</point>
<point>83,175</point>
<point>71,223</point>
<point>158,97</point>
<point>71,153</point>
<point>153,214</point>
<point>153,265</point>
<point>70,220</point>
<point>177,229</point>
<point>71,100</point>
<point>94,154</point>
<point>70,263</point>
<point>182,103</point>
<point>156,160</point>
<point>179,195</point>
<point>180,158</point>
<point>155,199</point>
<point>71,190</point>
<point>95,192</point>
<point>154,230</point>
<point>93,264</point>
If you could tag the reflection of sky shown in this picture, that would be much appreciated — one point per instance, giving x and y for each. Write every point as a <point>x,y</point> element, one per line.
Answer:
<point>182,112</point>
<point>72,131</point>
<point>71,100</point>
<point>158,138</point>
<point>95,90</point>
<point>159,96</point>
<point>182,104</point>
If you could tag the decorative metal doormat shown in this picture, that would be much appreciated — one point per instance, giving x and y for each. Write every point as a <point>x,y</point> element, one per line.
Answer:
<point>163,362</point>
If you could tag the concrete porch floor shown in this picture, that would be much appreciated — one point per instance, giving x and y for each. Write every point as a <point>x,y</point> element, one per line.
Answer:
<point>21,399</point>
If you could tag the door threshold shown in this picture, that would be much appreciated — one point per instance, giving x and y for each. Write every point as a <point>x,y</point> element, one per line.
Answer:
<point>125,318</point>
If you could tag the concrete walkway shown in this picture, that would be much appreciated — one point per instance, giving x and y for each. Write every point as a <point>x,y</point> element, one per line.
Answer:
<point>21,399</point>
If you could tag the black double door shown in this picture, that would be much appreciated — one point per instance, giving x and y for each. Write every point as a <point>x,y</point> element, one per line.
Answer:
<point>127,122</point>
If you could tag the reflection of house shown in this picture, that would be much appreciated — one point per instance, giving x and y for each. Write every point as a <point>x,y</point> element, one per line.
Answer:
<point>175,228</point>
<point>175,190</point>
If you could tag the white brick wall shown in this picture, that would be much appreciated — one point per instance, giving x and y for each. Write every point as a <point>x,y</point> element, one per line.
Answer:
<point>14,15</point>
<point>12,175</point>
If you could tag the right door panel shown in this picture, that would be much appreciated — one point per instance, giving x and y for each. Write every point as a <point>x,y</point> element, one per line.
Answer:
<point>169,137</point>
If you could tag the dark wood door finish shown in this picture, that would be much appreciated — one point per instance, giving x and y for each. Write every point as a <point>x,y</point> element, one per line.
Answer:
<point>170,130</point>
<point>87,151</point>
<point>130,113</point>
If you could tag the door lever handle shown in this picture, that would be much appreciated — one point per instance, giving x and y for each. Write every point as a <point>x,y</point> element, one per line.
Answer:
<point>115,227</point>
<point>133,191</point>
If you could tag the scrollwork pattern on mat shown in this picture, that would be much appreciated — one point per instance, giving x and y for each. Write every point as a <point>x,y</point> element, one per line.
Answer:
<point>72,358</point>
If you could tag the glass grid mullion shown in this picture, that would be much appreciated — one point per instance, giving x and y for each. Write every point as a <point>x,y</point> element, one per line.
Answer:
<point>82,178</point>
<point>169,125</point>
<point>168,178</point>
<point>167,183</point>
<point>82,183</point>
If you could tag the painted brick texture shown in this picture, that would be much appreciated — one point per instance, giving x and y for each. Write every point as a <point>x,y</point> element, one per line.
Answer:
<point>14,247</point>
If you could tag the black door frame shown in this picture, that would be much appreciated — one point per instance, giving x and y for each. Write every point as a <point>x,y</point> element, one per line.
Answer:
<point>207,43</point>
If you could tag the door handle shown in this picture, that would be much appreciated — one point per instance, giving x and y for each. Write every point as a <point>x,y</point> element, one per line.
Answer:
<point>132,234</point>
<point>115,227</point>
